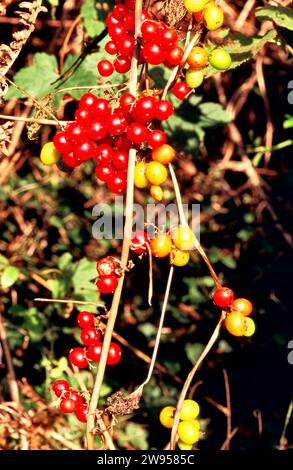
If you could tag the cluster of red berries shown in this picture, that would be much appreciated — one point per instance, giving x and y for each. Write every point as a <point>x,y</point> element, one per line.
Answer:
<point>71,401</point>
<point>106,134</point>
<point>159,43</point>
<point>90,336</point>
<point>238,310</point>
<point>108,279</point>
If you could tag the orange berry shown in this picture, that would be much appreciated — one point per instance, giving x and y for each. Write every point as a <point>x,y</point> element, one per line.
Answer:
<point>242,305</point>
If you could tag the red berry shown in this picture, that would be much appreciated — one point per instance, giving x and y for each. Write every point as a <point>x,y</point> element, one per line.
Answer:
<point>129,21</point>
<point>164,110</point>
<point>102,109</point>
<point>107,284</point>
<point>137,133</point>
<point>117,123</point>
<point>120,159</point>
<point>181,90</point>
<point>89,336</point>
<point>67,405</point>
<point>153,53</point>
<point>84,150</point>
<point>105,172</point>
<point>126,101</point>
<point>156,138</point>
<point>111,21</point>
<point>75,132</point>
<point>81,413</point>
<point>117,32</point>
<point>105,68</point>
<point>83,116</point>
<point>168,37</point>
<point>122,143</point>
<point>223,297</point>
<point>60,386</point>
<point>145,108</point>
<point>77,358</point>
<point>94,352</point>
<point>122,64</point>
<point>62,142</point>
<point>87,101</point>
<point>75,396</point>
<point>139,242</point>
<point>96,130</point>
<point>85,319</point>
<point>70,160</point>
<point>106,266</point>
<point>119,11</point>
<point>126,46</point>
<point>111,48</point>
<point>174,55</point>
<point>118,183</point>
<point>130,4</point>
<point>114,355</point>
<point>103,154</point>
<point>149,30</point>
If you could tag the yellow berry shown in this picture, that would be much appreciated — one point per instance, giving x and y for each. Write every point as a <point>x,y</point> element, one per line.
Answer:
<point>179,257</point>
<point>214,17</point>
<point>167,416</point>
<point>183,446</point>
<point>156,192</point>
<point>183,238</point>
<point>49,154</point>
<point>194,6</point>
<point>156,173</point>
<point>140,179</point>
<point>188,431</point>
<point>249,327</point>
<point>189,410</point>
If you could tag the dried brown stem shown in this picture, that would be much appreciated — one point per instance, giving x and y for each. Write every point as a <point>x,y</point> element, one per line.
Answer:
<point>11,378</point>
<point>189,380</point>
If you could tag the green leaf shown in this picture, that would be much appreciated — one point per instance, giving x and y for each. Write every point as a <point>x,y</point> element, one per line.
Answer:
<point>193,351</point>
<point>282,16</point>
<point>86,74</point>
<point>64,261</point>
<point>243,48</point>
<point>229,261</point>
<point>212,115</point>
<point>54,3</point>
<point>84,271</point>
<point>89,15</point>
<point>36,79</point>
<point>9,276</point>
<point>3,261</point>
<point>135,435</point>
<point>148,330</point>
<point>288,123</point>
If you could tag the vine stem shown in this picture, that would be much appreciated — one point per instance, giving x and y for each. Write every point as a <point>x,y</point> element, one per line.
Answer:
<point>124,254</point>
<point>11,378</point>
<point>159,332</point>
<point>48,122</point>
<point>184,222</point>
<point>189,379</point>
<point>177,70</point>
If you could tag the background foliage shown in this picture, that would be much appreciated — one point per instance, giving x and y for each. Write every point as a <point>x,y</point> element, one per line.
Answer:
<point>47,249</point>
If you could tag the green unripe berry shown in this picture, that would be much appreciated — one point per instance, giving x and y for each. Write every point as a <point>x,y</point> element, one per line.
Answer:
<point>220,59</point>
<point>194,78</point>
